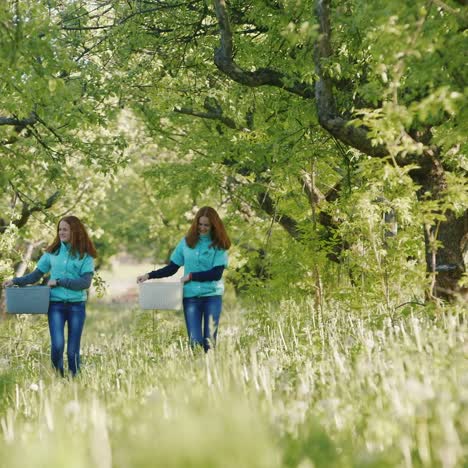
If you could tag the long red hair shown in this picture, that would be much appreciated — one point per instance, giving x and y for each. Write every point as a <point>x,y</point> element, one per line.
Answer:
<point>80,243</point>
<point>218,232</point>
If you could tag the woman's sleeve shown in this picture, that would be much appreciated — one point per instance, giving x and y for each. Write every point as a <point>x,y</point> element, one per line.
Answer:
<point>31,278</point>
<point>77,284</point>
<point>164,272</point>
<point>214,274</point>
<point>220,258</point>
<point>44,263</point>
<point>177,256</point>
<point>87,266</point>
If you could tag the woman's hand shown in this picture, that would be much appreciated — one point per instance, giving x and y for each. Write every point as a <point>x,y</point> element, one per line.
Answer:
<point>8,283</point>
<point>52,283</point>
<point>186,278</point>
<point>142,278</point>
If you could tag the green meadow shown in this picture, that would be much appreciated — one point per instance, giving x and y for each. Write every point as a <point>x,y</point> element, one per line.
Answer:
<point>289,385</point>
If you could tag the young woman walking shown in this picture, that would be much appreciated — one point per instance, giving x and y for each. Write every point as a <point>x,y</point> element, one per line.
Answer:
<point>203,253</point>
<point>70,261</point>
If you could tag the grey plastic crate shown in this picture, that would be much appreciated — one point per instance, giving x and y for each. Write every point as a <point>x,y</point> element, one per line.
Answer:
<point>161,295</point>
<point>27,300</point>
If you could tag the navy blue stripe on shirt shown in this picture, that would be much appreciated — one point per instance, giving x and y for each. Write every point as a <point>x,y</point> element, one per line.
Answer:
<point>214,274</point>
<point>77,284</point>
<point>31,278</point>
<point>164,272</point>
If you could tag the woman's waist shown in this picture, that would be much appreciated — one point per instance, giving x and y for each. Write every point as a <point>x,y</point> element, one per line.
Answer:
<point>67,295</point>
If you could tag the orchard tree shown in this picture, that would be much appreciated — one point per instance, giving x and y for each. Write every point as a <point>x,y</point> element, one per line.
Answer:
<point>384,80</point>
<point>389,82</point>
<point>302,110</point>
<point>59,146</point>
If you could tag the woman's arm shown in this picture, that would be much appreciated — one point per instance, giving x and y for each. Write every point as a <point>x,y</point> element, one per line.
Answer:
<point>214,274</point>
<point>31,278</point>
<point>76,284</point>
<point>164,272</point>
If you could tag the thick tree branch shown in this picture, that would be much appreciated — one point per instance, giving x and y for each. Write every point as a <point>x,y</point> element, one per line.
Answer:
<point>20,123</point>
<point>328,116</point>
<point>28,210</point>
<point>224,60</point>
<point>205,115</point>
<point>268,206</point>
<point>215,112</point>
<point>30,247</point>
<point>451,10</point>
<point>314,195</point>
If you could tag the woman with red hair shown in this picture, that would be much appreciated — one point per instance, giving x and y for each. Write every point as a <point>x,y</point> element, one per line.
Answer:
<point>203,253</point>
<point>70,261</point>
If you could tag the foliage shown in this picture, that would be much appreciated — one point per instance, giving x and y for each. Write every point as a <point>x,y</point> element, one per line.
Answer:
<point>59,143</point>
<point>256,146</point>
<point>94,86</point>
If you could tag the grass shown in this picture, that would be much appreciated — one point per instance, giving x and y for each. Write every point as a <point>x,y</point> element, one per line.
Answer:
<point>288,386</point>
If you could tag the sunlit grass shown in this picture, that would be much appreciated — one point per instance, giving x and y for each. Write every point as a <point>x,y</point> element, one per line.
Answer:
<point>288,385</point>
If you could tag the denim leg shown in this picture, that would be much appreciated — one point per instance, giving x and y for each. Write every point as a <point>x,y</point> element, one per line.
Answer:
<point>56,320</point>
<point>76,319</point>
<point>193,320</point>
<point>211,313</point>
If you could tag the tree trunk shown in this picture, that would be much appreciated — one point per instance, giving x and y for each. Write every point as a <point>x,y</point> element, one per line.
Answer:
<point>445,241</point>
<point>446,264</point>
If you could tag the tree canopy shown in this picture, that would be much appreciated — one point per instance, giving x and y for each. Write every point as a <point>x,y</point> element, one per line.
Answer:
<point>321,125</point>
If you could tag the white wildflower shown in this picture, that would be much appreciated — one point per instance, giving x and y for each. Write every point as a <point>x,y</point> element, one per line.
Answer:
<point>419,390</point>
<point>369,342</point>
<point>349,341</point>
<point>4,363</point>
<point>72,408</point>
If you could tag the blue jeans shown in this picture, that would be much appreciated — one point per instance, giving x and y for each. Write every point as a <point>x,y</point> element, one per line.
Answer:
<point>75,314</point>
<point>202,319</point>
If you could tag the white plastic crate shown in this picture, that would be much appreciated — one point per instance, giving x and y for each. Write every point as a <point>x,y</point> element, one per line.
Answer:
<point>161,295</point>
<point>27,300</point>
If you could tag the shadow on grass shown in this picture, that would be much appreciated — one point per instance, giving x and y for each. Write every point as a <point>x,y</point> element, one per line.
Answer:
<point>7,386</point>
<point>313,446</point>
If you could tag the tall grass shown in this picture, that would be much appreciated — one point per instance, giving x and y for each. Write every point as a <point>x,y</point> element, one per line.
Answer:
<point>287,386</point>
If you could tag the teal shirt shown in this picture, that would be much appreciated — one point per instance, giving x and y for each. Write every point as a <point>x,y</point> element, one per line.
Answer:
<point>63,265</point>
<point>201,258</point>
